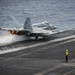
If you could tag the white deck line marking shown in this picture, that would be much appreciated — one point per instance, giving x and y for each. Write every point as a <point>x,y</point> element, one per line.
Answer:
<point>47,47</point>
<point>30,46</point>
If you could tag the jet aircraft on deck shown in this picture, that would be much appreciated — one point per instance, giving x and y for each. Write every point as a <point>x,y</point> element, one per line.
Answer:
<point>42,29</point>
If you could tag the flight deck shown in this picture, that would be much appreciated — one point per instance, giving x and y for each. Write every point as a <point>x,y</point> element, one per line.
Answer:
<point>40,57</point>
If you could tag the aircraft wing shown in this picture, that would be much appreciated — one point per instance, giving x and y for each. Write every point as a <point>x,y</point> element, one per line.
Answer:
<point>7,29</point>
<point>17,31</point>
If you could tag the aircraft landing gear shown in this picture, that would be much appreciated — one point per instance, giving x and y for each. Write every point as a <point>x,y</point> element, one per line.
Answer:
<point>36,37</point>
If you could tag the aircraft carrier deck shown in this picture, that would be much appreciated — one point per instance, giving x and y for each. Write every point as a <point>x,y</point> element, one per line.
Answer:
<point>41,57</point>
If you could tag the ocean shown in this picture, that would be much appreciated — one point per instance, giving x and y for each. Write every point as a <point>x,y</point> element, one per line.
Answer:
<point>58,12</point>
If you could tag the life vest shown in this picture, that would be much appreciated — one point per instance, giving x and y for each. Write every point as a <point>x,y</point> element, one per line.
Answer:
<point>67,53</point>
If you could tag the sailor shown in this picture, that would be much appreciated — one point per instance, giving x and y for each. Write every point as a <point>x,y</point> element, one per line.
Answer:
<point>66,53</point>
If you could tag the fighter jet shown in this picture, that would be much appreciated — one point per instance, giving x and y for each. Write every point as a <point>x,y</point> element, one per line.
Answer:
<point>42,29</point>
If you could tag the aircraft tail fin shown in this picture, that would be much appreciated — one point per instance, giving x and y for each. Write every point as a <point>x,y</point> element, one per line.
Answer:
<point>27,24</point>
